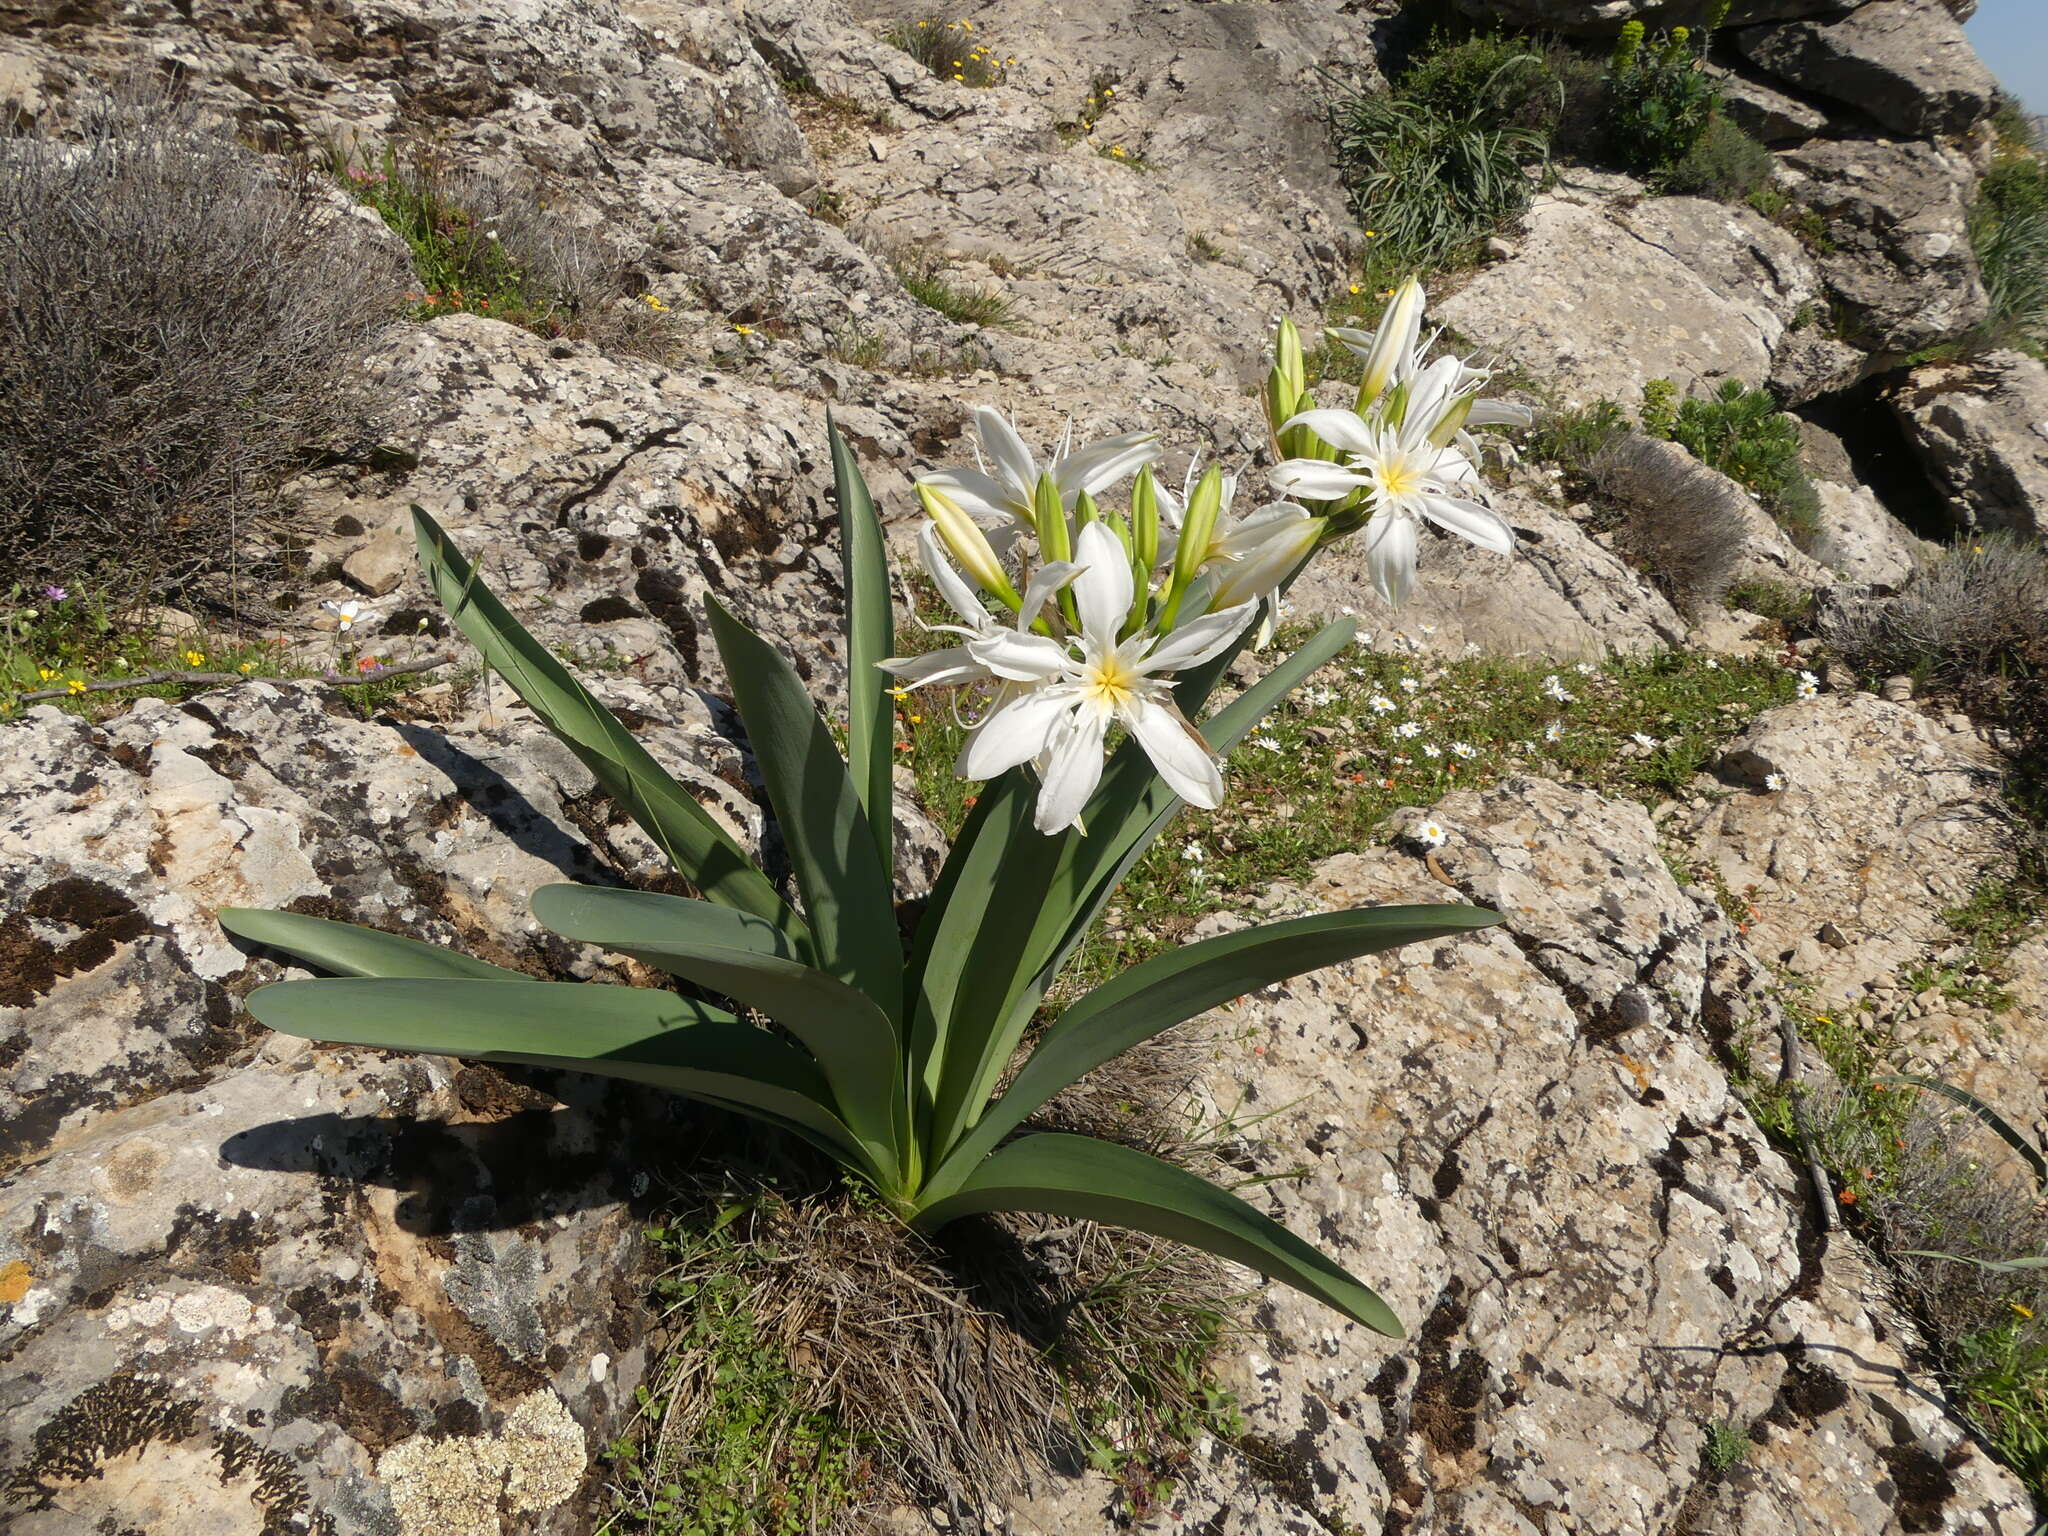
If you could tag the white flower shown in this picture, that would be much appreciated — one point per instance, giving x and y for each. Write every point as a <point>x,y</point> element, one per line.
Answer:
<point>1266,743</point>
<point>1774,781</point>
<point>1809,685</point>
<point>345,613</point>
<point>1317,697</point>
<point>1408,730</point>
<point>1380,704</point>
<point>1641,740</point>
<point>1430,751</point>
<point>1071,692</point>
<point>1557,690</point>
<point>1407,477</point>
<point>1193,853</point>
<point>1554,731</point>
<point>1711,665</point>
<point>1584,668</point>
<point>1001,487</point>
<point>1463,749</point>
<point>1409,685</point>
<point>1430,834</point>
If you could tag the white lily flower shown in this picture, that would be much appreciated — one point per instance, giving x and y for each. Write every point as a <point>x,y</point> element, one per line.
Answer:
<point>346,614</point>
<point>1409,478</point>
<point>1000,488</point>
<point>1066,703</point>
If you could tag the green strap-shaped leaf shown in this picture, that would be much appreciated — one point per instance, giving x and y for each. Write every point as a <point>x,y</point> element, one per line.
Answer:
<point>345,949</point>
<point>749,960</point>
<point>1098,1181</point>
<point>870,640</point>
<point>1043,894</point>
<point>849,896</point>
<point>699,848</point>
<point>1168,988</point>
<point>1992,1120</point>
<point>626,1032</point>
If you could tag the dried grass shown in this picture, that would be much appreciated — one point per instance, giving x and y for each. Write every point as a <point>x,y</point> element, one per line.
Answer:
<point>968,1364</point>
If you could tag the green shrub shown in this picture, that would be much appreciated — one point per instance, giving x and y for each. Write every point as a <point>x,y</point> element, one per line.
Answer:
<point>181,325</point>
<point>1659,98</point>
<point>1724,163</point>
<point>1491,77</point>
<point>1429,185</point>
<point>1741,432</point>
<point>2009,232</point>
<point>926,281</point>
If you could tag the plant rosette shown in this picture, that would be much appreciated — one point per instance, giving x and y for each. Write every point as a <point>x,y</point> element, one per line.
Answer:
<point>1090,639</point>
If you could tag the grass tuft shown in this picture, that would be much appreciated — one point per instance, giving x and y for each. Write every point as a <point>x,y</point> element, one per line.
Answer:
<point>926,281</point>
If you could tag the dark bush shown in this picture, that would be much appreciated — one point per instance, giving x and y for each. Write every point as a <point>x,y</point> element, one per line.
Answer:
<point>182,329</point>
<point>1682,530</point>
<point>1725,164</point>
<point>1979,611</point>
<point>1492,78</point>
<point>1659,98</point>
<point>1741,432</point>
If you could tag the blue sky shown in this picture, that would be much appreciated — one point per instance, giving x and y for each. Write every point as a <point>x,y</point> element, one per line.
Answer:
<point>2012,36</point>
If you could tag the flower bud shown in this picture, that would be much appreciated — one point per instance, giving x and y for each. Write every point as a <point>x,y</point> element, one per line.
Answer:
<point>1268,563</point>
<point>968,545</point>
<point>1145,520</point>
<point>1451,423</point>
<point>1197,531</point>
<point>1393,342</point>
<point>1049,517</point>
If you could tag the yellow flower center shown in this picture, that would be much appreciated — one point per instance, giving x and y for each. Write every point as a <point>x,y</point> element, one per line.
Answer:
<point>1110,682</point>
<point>1399,477</point>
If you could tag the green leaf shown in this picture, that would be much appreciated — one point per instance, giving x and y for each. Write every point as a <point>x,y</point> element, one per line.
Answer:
<point>1097,1181</point>
<point>849,896</point>
<point>1998,1125</point>
<point>626,1032</point>
<point>870,640</point>
<point>749,960</point>
<point>699,848</point>
<point>1989,1266</point>
<point>997,945</point>
<point>345,949</point>
<point>1182,983</point>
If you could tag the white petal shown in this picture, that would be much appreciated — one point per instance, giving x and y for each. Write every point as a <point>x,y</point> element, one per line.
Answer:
<point>1013,460</point>
<point>1045,581</point>
<point>1073,768</point>
<point>1471,521</point>
<point>952,665</point>
<point>1429,395</point>
<point>1267,522</point>
<point>1202,640</point>
<point>1100,465</point>
<point>1021,658</point>
<point>1103,590</point>
<point>1015,733</point>
<point>1360,342</point>
<point>958,592</point>
<point>980,496</point>
<point>1314,479</point>
<point>1340,429</point>
<point>1182,757</point>
<point>1499,413</point>
<point>1268,563</point>
<point>1390,554</point>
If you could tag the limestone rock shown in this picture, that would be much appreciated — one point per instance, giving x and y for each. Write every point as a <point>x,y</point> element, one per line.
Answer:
<point>1602,299</point>
<point>1982,432</point>
<point>1766,113</point>
<point>1886,819</point>
<point>1897,260</point>
<point>1905,62</point>
<point>1523,1140</point>
<point>1562,595</point>
<point>1859,540</point>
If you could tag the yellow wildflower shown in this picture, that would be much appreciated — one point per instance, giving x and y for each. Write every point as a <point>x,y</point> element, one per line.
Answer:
<point>44,674</point>
<point>76,687</point>
<point>1357,288</point>
<point>653,302</point>
<point>1109,90</point>
<point>744,330</point>
<point>247,666</point>
<point>968,25</point>
<point>917,719</point>
<point>2027,1312</point>
<point>900,691</point>
<point>194,658</point>
<point>1117,150</point>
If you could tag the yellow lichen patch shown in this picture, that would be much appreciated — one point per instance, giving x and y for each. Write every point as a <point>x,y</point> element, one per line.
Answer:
<point>14,1281</point>
<point>460,1486</point>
